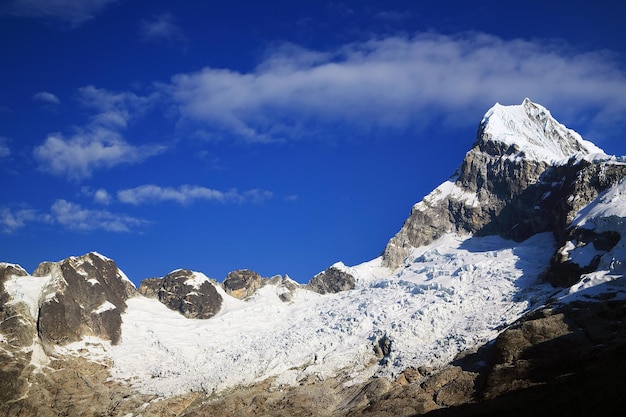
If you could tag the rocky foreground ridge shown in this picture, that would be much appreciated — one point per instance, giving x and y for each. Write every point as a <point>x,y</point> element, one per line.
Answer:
<point>452,319</point>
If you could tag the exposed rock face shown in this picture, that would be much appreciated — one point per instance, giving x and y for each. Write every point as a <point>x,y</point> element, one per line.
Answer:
<point>285,287</point>
<point>332,280</point>
<point>242,283</point>
<point>87,297</point>
<point>509,189</point>
<point>15,320</point>
<point>190,293</point>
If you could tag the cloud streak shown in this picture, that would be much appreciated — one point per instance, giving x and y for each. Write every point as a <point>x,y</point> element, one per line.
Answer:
<point>77,157</point>
<point>45,97</point>
<point>161,28</point>
<point>397,82</point>
<point>100,144</point>
<point>73,216</point>
<point>74,12</point>
<point>70,216</point>
<point>4,147</point>
<point>187,194</point>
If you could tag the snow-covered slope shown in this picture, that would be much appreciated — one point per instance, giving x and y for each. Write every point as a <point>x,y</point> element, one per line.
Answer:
<point>534,134</point>
<point>456,294</point>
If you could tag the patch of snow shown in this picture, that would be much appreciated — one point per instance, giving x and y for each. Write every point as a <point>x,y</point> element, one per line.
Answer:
<point>93,281</point>
<point>448,189</point>
<point>38,356</point>
<point>581,255</point>
<point>196,280</point>
<point>101,256</point>
<point>89,347</point>
<point>606,212</point>
<point>106,306</point>
<point>122,275</point>
<point>27,289</point>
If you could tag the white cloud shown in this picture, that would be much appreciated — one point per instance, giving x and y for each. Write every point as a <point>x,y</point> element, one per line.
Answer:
<point>74,217</point>
<point>4,147</point>
<point>101,196</point>
<point>79,156</point>
<point>98,145</point>
<point>16,218</point>
<point>161,28</point>
<point>114,109</point>
<point>74,12</point>
<point>46,98</point>
<point>398,82</point>
<point>70,216</point>
<point>186,194</point>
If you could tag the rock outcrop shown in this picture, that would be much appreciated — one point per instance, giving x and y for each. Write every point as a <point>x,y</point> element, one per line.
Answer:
<point>87,296</point>
<point>188,292</point>
<point>242,283</point>
<point>332,280</point>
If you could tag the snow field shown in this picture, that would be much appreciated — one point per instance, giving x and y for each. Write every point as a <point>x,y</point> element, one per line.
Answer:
<point>454,294</point>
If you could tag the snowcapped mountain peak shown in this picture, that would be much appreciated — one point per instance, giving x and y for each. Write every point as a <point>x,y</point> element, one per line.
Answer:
<point>529,131</point>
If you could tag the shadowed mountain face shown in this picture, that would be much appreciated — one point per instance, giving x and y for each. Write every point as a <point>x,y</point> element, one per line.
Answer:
<point>451,320</point>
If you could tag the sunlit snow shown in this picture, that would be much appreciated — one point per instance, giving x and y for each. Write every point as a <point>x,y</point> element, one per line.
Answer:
<point>455,294</point>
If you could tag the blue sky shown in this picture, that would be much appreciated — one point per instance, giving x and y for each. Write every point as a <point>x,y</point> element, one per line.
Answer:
<point>276,136</point>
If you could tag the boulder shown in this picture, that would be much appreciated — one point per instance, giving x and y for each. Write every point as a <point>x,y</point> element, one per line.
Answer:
<point>332,280</point>
<point>188,292</point>
<point>242,283</point>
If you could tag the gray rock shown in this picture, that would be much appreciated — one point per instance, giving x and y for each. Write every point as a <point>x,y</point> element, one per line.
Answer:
<point>87,296</point>
<point>177,292</point>
<point>242,283</point>
<point>332,280</point>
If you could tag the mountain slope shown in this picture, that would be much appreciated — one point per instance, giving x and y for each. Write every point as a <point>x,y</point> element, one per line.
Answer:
<point>533,217</point>
<point>521,157</point>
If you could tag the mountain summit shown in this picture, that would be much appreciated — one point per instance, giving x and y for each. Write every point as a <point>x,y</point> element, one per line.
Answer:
<point>518,160</point>
<point>499,280</point>
<point>529,131</point>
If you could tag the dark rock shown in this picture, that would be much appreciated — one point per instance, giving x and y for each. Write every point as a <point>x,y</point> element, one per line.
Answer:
<point>242,283</point>
<point>180,291</point>
<point>90,296</point>
<point>332,280</point>
<point>382,349</point>
<point>562,271</point>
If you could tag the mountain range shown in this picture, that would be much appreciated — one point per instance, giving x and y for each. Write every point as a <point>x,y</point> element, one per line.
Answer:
<point>502,293</point>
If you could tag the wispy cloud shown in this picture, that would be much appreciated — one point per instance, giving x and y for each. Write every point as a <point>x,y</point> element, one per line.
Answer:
<point>70,216</point>
<point>398,82</point>
<point>47,98</point>
<point>186,194</point>
<point>12,219</point>
<point>99,144</point>
<point>161,28</point>
<point>73,216</point>
<point>78,156</point>
<point>4,147</point>
<point>114,109</point>
<point>99,196</point>
<point>74,12</point>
